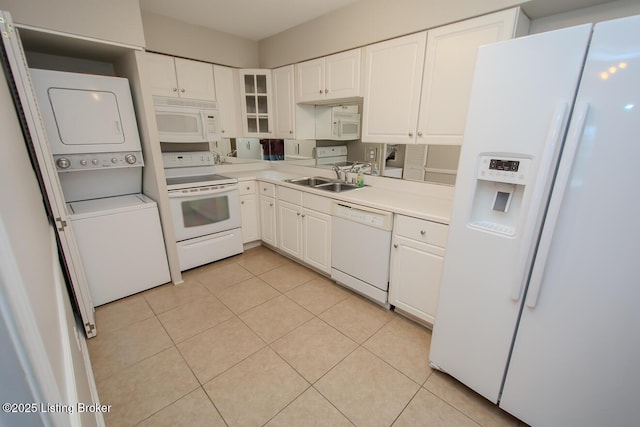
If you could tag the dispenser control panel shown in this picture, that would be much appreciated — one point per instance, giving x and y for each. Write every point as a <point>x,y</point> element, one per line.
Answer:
<point>504,169</point>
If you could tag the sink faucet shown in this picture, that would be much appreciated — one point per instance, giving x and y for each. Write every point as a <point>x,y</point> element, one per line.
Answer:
<point>336,169</point>
<point>216,158</point>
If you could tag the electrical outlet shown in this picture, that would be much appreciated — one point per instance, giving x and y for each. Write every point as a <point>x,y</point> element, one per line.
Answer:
<point>372,153</point>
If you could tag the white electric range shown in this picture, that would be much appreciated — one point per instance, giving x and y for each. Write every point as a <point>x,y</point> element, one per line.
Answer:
<point>205,208</point>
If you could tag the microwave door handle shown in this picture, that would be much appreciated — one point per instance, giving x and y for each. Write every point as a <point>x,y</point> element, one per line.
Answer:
<point>179,194</point>
<point>203,121</point>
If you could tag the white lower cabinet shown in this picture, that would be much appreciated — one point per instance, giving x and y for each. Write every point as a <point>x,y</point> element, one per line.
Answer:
<point>417,255</point>
<point>268,225</point>
<point>249,212</point>
<point>304,227</point>
<point>290,228</point>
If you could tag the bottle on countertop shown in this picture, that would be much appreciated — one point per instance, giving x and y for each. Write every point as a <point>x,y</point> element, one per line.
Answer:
<point>360,179</point>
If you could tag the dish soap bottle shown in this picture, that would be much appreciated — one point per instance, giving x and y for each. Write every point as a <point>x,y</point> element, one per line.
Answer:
<point>360,179</point>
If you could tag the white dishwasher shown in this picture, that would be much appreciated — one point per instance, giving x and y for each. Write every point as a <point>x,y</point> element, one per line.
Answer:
<point>360,249</point>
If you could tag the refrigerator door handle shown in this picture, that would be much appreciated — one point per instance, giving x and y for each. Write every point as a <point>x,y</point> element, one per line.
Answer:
<point>553,212</point>
<point>553,139</point>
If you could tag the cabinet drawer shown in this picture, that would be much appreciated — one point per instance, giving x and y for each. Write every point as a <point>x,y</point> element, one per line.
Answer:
<point>290,195</point>
<point>267,189</point>
<point>247,187</point>
<point>317,203</point>
<point>421,230</point>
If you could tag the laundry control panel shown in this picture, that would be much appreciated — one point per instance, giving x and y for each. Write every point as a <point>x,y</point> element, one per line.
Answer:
<point>76,162</point>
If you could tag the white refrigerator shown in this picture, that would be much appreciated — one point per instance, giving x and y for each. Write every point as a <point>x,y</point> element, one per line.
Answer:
<point>539,307</point>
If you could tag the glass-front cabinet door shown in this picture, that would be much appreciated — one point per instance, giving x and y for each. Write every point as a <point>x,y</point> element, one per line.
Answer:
<point>256,103</point>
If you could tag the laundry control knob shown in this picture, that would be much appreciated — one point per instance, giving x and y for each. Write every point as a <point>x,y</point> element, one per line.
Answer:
<point>63,163</point>
<point>114,160</point>
<point>130,158</point>
<point>95,162</point>
<point>83,162</point>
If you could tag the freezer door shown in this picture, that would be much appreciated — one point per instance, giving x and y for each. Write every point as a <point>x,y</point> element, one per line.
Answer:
<point>575,358</point>
<point>518,113</point>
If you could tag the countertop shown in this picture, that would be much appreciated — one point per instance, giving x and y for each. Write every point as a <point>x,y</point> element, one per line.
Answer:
<point>415,205</point>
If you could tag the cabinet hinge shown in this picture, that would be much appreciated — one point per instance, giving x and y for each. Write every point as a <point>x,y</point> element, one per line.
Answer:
<point>90,328</point>
<point>63,224</point>
<point>7,28</point>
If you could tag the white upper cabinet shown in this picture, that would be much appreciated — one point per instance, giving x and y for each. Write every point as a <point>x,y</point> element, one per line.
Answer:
<point>448,73</point>
<point>257,116</point>
<point>227,96</point>
<point>291,121</point>
<point>417,96</point>
<point>330,78</point>
<point>392,81</point>
<point>179,77</point>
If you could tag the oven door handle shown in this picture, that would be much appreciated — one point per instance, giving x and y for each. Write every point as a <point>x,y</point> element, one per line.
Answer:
<point>177,194</point>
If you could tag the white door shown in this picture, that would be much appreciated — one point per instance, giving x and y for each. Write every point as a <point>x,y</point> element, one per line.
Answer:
<point>480,302</point>
<point>162,74</point>
<point>414,279</point>
<point>342,74</point>
<point>448,74</point>
<point>195,79</point>
<point>575,357</point>
<point>268,220</point>
<point>289,229</point>
<point>284,102</point>
<point>392,81</point>
<point>316,237</point>
<point>310,80</point>
<point>227,97</point>
<point>249,214</point>
<point>49,179</point>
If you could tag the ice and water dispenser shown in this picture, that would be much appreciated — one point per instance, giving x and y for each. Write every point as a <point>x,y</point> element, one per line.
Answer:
<point>498,194</point>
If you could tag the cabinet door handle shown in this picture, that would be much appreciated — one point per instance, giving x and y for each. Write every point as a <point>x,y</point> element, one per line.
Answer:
<point>242,202</point>
<point>410,134</point>
<point>326,91</point>
<point>182,90</point>
<point>395,245</point>
<point>419,133</point>
<point>320,90</point>
<point>302,215</point>
<point>298,213</point>
<point>175,89</point>
<point>422,232</point>
<point>270,204</point>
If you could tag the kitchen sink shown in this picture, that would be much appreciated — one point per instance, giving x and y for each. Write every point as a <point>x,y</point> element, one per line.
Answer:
<point>336,187</point>
<point>322,183</point>
<point>309,181</point>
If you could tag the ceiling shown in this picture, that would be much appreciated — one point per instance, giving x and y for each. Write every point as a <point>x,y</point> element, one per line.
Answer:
<point>258,19</point>
<point>250,19</point>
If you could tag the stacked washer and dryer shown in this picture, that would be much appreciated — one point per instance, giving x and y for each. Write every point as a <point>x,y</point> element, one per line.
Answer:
<point>93,135</point>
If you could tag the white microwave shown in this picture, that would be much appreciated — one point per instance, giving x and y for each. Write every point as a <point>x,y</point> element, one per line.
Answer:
<point>186,120</point>
<point>340,123</point>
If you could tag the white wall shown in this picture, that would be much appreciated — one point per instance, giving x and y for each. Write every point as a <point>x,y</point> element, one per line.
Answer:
<point>592,14</point>
<point>366,22</point>
<point>114,20</point>
<point>172,37</point>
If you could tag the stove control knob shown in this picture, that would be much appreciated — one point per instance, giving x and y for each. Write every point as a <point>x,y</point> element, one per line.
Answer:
<point>83,162</point>
<point>130,158</point>
<point>95,162</point>
<point>114,160</point>
<point>63,163</point>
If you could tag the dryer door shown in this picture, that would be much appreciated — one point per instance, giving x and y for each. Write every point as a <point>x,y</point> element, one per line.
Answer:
<point>86,117</point>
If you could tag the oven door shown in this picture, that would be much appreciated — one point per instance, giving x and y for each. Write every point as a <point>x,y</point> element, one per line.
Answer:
<point>199,212</point>
<point>179,124</point>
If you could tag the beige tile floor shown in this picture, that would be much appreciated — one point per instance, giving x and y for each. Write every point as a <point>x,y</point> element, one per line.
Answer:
<point>256,340</point>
